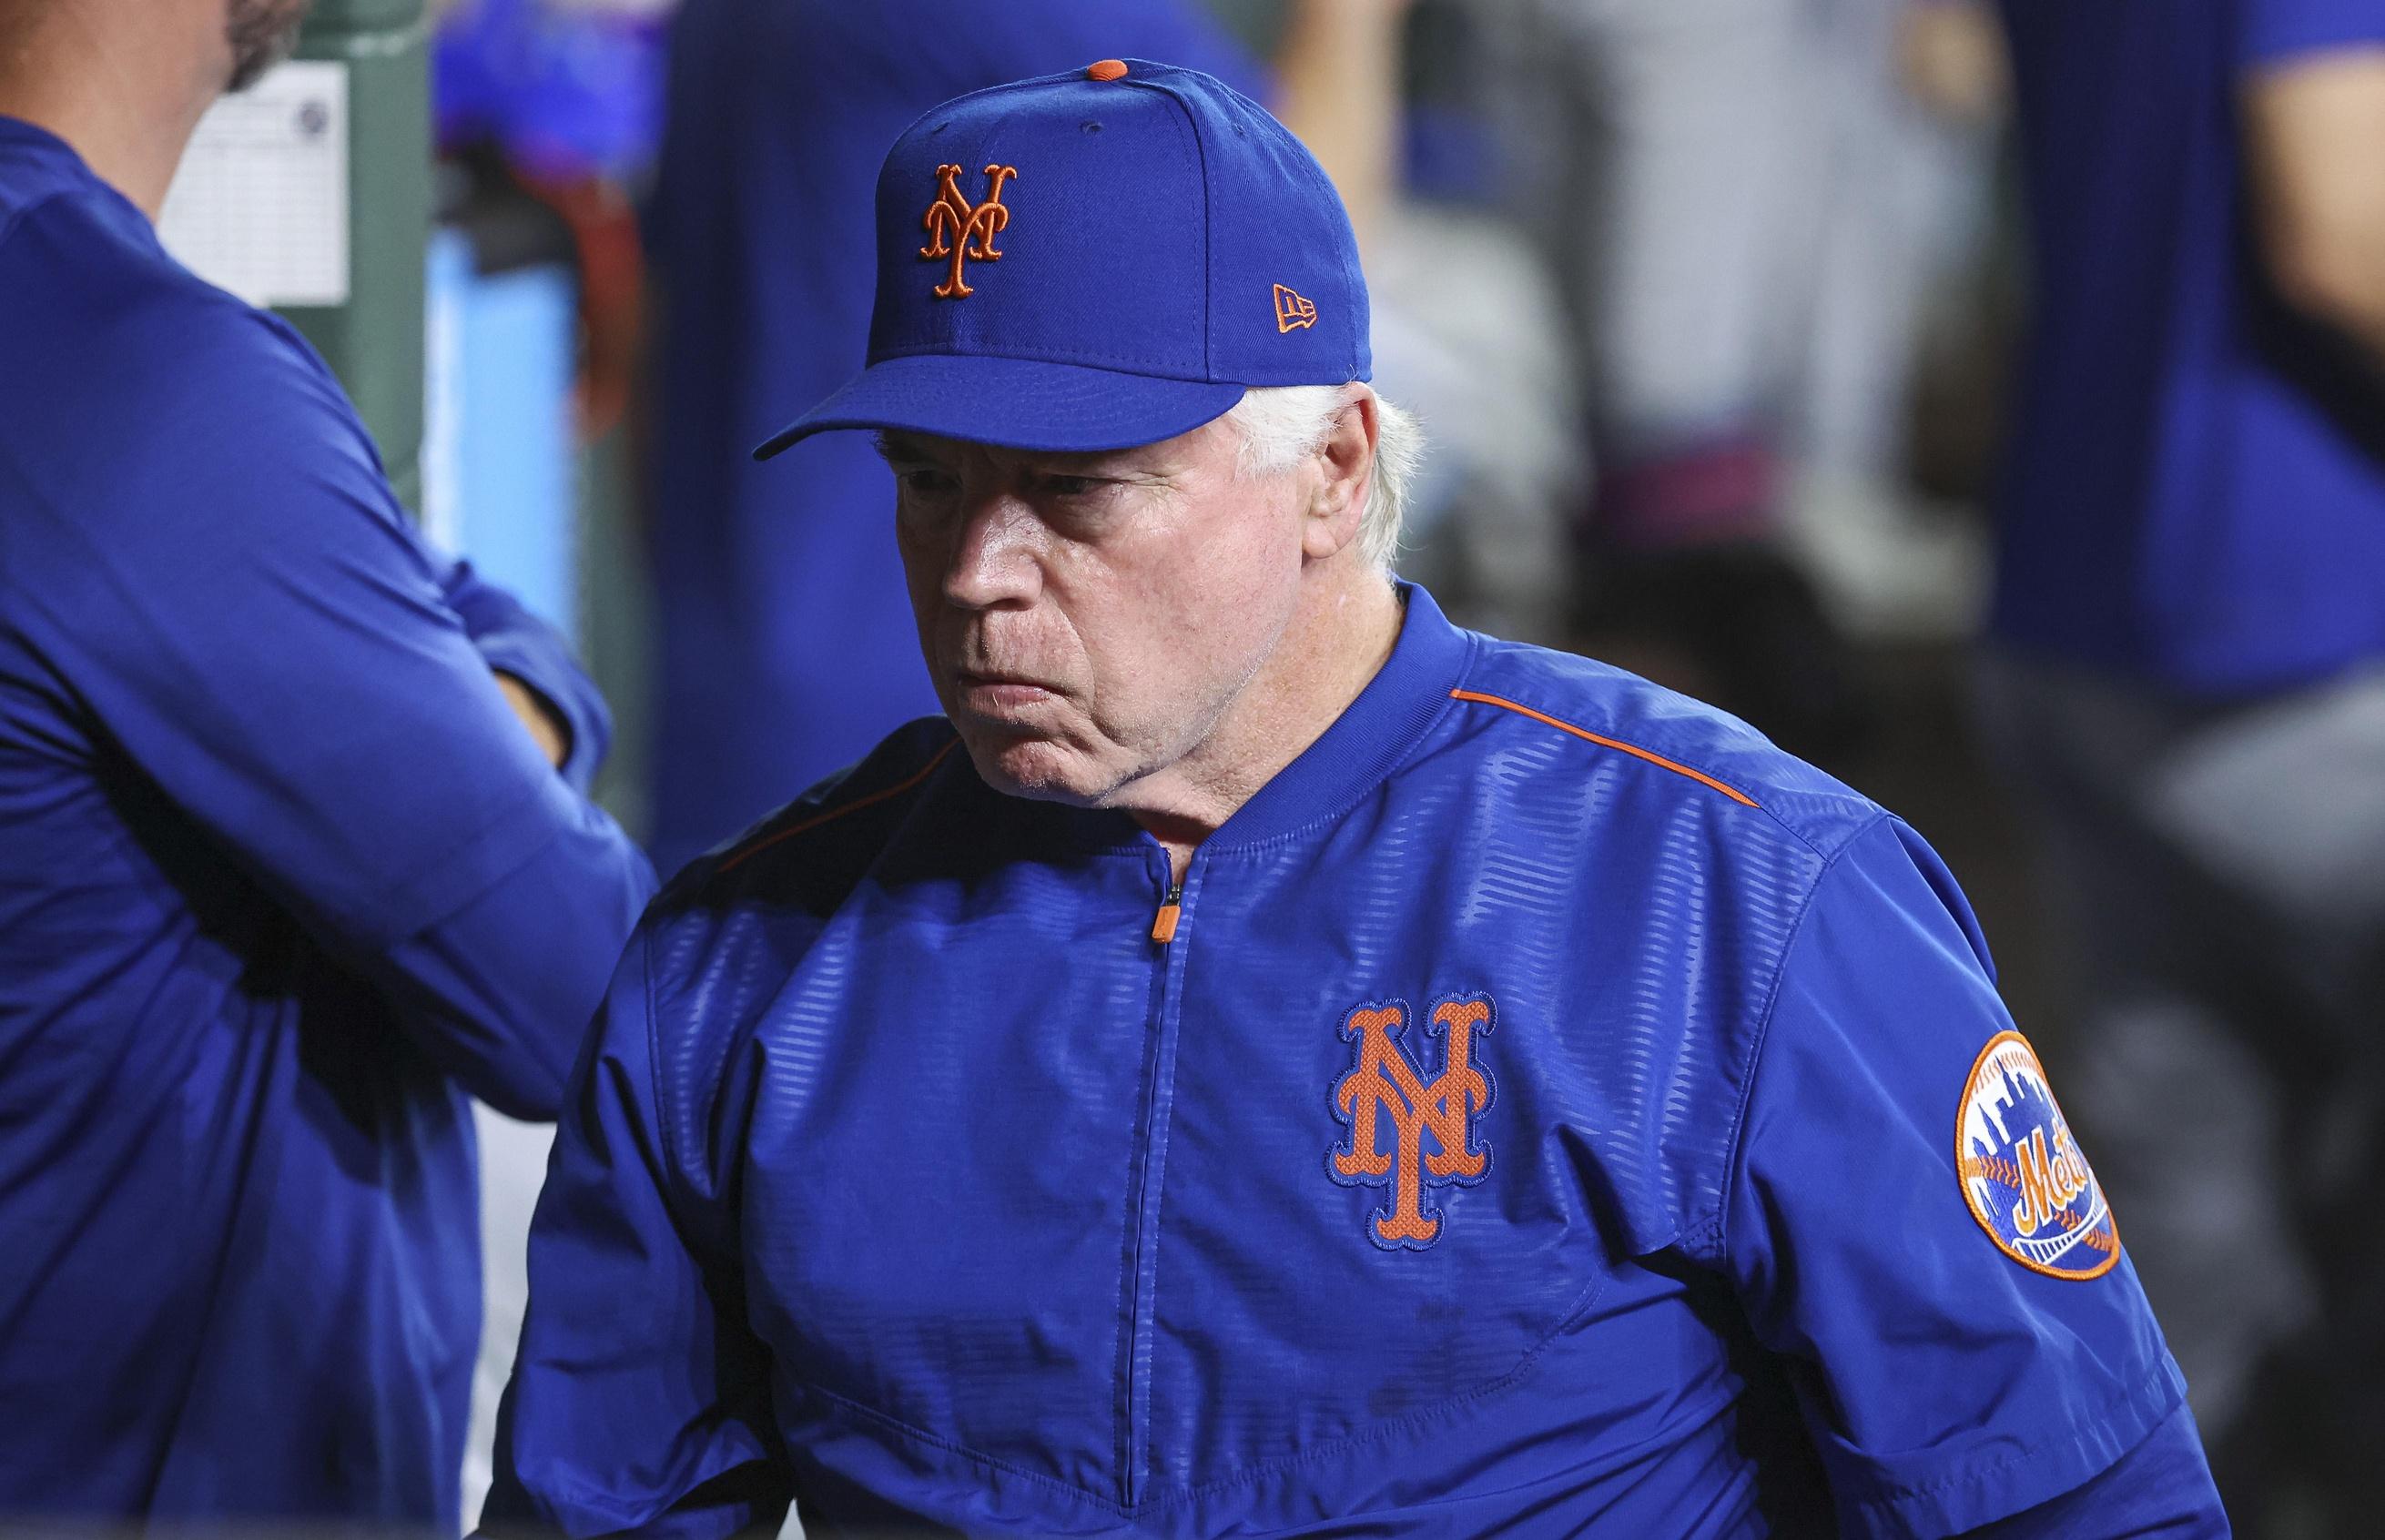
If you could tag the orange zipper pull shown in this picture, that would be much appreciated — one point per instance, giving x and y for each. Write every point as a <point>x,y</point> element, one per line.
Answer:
<point>1163,927</point>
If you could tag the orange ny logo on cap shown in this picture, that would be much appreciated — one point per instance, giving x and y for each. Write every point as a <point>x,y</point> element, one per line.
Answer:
<point>1386,1085</point>
<point>962,230</point>
<point>1290,311</point>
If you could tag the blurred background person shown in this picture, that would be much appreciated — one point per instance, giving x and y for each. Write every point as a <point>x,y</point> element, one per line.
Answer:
<point>1749,212</point>
<point>1463,301</point>
<point>293,854</point>
<point>1673,195</point>
<point>1905,100</point>
<point>559,103</point>
<point>1400,103</point>
<point>2187,678</point>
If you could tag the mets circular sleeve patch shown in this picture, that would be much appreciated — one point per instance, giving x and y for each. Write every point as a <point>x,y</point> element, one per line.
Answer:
<point>2023,1174</point>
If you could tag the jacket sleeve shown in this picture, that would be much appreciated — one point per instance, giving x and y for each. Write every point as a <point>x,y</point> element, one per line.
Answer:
<point>258,631</point>
<point>513,640</point>
<point>1911,1226</point>
<point>640,1400</point>
<point>2160,1490</point>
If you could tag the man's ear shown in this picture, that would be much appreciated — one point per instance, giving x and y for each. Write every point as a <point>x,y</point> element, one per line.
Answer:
<point>1345,464</point>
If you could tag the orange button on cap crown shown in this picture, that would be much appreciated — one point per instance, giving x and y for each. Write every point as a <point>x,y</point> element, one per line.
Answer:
<point>1107,69</point>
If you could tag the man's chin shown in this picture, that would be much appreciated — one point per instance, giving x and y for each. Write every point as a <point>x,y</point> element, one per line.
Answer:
<point>1040,768</point>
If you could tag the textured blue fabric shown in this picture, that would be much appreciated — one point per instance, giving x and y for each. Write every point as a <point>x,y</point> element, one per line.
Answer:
<point>2160,1491</point>
<point>280,878</point>
<point>908,1177</point>
<point>2194,495</point>
<point>787,649</point>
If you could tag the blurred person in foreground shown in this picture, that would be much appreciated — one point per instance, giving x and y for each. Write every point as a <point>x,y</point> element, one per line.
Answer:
<point>293,856</point>
<point>1268,1061</point>
<point>2189,672</point>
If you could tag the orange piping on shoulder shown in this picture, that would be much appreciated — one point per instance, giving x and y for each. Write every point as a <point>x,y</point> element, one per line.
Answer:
<point>741,857</point>
<point>1618,745</point>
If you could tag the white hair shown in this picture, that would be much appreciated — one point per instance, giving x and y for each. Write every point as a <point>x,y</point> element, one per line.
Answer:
<point>1282,425</point>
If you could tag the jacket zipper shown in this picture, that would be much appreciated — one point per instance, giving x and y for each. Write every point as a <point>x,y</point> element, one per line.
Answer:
<point>1171,910</point>
<point>1159,1098</point>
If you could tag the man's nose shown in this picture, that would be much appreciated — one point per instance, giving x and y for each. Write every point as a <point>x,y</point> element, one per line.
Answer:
<point>994,562</point>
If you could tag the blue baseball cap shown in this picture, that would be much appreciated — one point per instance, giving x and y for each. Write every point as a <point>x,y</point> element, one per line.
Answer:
<point>1097,260</point>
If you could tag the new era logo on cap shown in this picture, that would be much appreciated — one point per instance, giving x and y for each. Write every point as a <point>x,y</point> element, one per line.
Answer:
<point>1117,254</point>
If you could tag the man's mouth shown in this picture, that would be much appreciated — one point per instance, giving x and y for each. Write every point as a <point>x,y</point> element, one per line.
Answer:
<point>994,694</point>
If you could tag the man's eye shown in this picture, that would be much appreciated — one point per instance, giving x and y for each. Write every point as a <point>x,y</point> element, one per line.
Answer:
<point>927,480</point>
<point>1071,486</point>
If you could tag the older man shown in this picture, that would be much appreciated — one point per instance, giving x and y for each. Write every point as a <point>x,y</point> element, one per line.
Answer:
<point>1268,1061</point>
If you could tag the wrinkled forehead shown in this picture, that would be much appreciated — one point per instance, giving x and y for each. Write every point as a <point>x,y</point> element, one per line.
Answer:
<point>1186,451</point>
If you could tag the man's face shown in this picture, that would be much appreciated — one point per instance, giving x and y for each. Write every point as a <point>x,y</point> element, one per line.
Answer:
<point>261,34</point>
<point>1088,619</point>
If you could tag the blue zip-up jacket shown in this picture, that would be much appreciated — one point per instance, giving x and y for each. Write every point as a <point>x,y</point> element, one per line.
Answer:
<point>1551,1110</point>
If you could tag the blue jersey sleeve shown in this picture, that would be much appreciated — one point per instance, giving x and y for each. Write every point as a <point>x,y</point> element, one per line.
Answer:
<point>2160,1490</point>
<point>2280,31</point>
<point>1910,1225</point>
<point>513,640</point>
<point>247,617</point>
<point>640,1402</point>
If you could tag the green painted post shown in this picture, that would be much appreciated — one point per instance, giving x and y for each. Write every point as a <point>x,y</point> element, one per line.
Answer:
<point>374,342</point>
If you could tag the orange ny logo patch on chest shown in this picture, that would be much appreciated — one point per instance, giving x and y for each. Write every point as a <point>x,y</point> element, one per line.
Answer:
<point>962,231</point>
<point>1407,1133</point>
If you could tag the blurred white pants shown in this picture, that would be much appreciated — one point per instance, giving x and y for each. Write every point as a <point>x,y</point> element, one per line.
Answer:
<point>1752,220</point>
<point>513,1168</point>
<point>1670,160</point>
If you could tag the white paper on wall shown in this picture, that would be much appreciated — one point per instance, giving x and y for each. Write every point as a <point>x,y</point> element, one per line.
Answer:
<point>260,204</point>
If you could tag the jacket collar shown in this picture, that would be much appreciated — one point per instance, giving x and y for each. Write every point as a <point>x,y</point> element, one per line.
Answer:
<point>1371,738</point>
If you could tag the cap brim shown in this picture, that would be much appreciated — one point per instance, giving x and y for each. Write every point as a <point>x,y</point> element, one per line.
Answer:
<point>1013,402</point>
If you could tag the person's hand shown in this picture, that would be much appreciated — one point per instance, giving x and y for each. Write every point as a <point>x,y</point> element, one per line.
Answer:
<point>545,728</point>
<point>1338,78</point>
